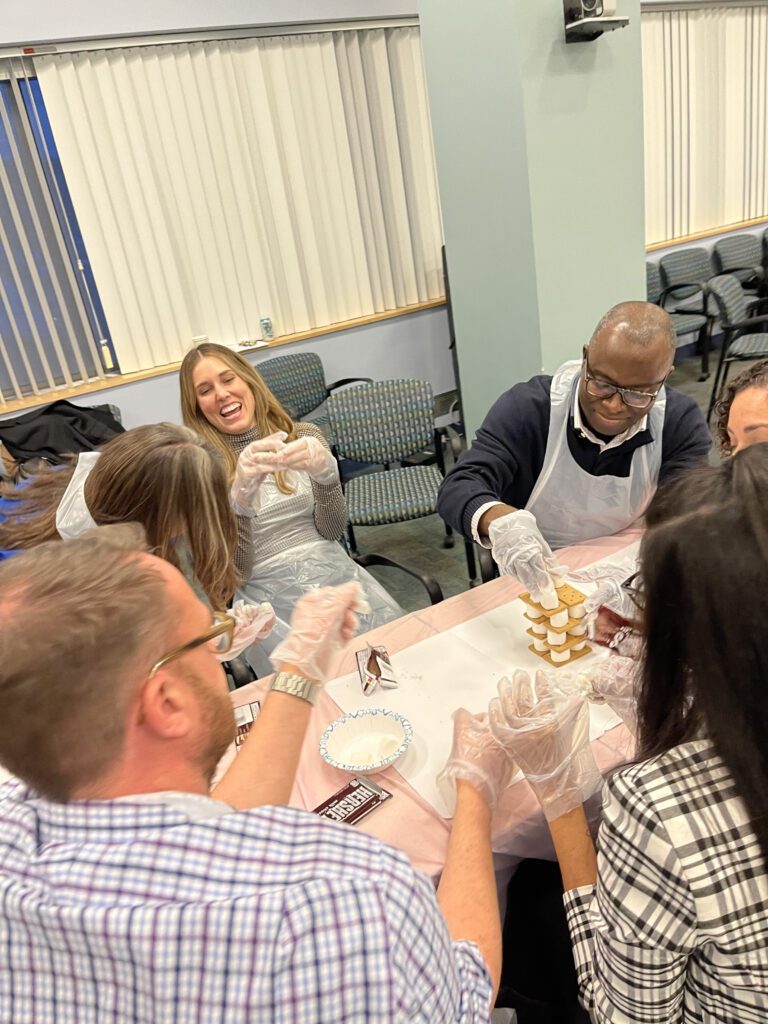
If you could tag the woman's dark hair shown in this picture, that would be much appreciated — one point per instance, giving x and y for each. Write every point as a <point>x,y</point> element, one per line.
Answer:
<point>705,579</point>
<point>755,376</point>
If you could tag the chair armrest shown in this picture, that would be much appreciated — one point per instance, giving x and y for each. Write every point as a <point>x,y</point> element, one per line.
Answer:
<point>752,321</point>
<point>349,380</point>
<point>455,440</point>
<point>429,583</point>
<point>666,292</point>
<point>488,568</point>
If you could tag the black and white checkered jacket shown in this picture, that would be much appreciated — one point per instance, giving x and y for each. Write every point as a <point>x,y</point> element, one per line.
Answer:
<point>676,929</point>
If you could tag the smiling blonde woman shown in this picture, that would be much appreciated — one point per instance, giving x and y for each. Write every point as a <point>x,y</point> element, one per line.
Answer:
<point>286,489</point>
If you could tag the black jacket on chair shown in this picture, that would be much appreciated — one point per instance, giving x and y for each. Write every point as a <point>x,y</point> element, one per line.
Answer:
<point>58,429</point>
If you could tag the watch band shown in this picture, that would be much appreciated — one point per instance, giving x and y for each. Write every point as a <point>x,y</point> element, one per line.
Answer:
<point>296,685</point>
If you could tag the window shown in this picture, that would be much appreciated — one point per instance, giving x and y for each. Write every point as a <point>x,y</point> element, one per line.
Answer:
<point>220,182</point>
<point>705,75</point>
<point>48,324</point>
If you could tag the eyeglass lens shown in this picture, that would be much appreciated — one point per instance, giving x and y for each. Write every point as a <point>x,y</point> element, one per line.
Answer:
<point>601,389</point>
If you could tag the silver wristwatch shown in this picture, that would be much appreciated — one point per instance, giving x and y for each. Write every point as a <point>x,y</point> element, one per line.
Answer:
<point>296,685</point>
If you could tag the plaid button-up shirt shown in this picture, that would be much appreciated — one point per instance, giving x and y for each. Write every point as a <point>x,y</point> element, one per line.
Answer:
<point>676,929</point>
<point>138,911</point>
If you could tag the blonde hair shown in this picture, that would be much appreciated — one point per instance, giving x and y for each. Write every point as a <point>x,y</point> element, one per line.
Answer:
<point>106,619</point>
<point>164,477</point>
<point>269,415</point>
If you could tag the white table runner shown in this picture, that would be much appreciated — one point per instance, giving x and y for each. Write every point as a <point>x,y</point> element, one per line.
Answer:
<point>460,668</point>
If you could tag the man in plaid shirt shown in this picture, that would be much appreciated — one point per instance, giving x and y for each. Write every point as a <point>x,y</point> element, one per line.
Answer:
<point>130,893</point>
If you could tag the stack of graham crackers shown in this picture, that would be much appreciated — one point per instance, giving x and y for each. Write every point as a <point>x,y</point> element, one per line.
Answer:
<point>560,633</point>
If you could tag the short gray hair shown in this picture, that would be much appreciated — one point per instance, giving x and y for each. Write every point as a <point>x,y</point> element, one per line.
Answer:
<point>82,619</point>
<point>640,323</point>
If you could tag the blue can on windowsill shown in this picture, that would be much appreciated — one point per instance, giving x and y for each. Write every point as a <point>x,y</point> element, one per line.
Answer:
<point>266,328</point>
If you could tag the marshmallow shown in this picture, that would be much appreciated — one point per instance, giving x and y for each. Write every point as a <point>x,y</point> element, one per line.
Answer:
<point>559,618</point>
<point>555,639</point>
<point>558,657</point>
<point>549,600</point>
<point>539,627</point>
<point>540,645</point>
<point>579,630</point>
<point>579,647</point>
<point>578,611</point>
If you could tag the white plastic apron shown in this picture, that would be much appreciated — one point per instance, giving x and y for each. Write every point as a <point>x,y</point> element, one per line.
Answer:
<point>571,505</point>
<point>308,561</point>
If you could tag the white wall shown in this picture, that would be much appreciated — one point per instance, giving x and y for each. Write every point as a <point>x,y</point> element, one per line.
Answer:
<point>49,20</point>
<point>539,148</point>
<point>409,346</point>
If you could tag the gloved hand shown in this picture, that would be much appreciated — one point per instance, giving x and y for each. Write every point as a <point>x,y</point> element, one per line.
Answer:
<point>476,757</point>
<point>253,623</point>
<point>254,464</point>
<point>323,621</point>
<point>520,551</point>
<point>547,733</point>
<point>311,456</point>
<point>608,590</point>
<point>615,680</point>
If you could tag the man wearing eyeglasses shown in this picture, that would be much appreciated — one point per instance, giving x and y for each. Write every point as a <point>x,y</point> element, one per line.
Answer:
<point>131,891</point>
<point>578,455</point>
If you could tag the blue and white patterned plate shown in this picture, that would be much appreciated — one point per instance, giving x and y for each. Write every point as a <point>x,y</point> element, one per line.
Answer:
<point>363,742</point>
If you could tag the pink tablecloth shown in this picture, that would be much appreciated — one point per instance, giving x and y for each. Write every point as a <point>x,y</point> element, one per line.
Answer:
<point>407,821</point>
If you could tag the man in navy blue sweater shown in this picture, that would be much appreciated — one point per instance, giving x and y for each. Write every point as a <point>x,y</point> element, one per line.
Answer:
<point>577,455</point>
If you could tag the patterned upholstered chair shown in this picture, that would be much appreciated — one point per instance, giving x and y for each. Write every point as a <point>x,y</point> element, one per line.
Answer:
<point>741,256</point>
<point>741,337</point>
<point>297,381</point>
<point>384,423</point>
<point>684,275</point>
<point>685,323</point>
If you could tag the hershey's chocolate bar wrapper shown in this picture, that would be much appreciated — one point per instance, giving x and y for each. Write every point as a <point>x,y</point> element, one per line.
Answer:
<point>352,802</point>
<point>245,716</point>
<point>609,629</point>
<point>375,670</point>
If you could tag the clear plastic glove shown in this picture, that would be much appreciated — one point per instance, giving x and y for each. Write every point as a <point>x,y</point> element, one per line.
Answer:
<point>520,551</point>
<point>254,464</point>
<point>608,590</point>
<point>615,681</point>
<point>253,623</point>
<point>323,621</point>
<point>547,732</point>
<point>477,758</point>
<point>312,457</point>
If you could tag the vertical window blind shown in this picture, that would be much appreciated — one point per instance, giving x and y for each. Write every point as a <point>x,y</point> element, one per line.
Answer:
<point>705,85</point>
<point>221,182</point>
<point>48,331</point>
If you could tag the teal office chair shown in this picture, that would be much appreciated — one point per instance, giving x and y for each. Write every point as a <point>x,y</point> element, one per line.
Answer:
<point>684,323</point>
<point>298,382</point>
<point>743,337</point>
<point>389,423</point>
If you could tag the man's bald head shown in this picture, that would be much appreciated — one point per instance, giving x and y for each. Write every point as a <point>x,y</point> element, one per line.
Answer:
<point>633,347</point>
<point>638,323</point>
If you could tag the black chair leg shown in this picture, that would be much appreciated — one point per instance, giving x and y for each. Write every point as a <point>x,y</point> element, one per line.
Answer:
<point>717,383</point>
<point>469,548</point>
<point>488,568</point>
<point>429,583</point>
<point>717,386</point>
<point>449,541</point>
<point>704,343</point>
<point>351,538</point>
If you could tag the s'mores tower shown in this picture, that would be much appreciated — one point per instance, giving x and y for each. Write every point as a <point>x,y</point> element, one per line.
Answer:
<point>559,632</point>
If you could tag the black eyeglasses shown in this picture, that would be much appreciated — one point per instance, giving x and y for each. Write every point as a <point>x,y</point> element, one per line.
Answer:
<point>633,587</point>
<point>221,631</point>
<point>602,389</point>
